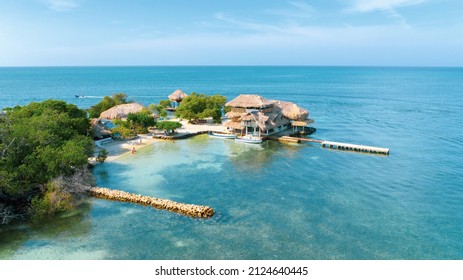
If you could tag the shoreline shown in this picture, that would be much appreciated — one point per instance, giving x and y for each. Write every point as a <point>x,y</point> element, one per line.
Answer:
<point>119,148</point>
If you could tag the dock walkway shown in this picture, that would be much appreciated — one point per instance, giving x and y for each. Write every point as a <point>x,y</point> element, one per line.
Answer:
<point>332,145</point>
<point>354,147</point>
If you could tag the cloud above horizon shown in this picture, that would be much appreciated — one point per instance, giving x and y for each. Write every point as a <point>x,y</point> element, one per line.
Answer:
<point>61,5</point>
<point>234,33</point>
<point>373,5</point>
<point>389,7</point>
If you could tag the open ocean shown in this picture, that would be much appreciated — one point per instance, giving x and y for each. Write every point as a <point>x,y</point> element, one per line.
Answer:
<point>272,201</point>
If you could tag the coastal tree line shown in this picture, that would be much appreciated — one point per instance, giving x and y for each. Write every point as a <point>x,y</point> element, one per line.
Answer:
<point>194,108</point>
<point>42,148</point>
<point>45,146</point>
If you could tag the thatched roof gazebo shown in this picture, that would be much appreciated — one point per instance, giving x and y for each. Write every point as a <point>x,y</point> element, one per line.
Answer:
<point>291,111</point>
<point>305,122</point>
<point>121,111</point>
<point>177,96</point>
<point>303,127</point>
<point>250,101</point>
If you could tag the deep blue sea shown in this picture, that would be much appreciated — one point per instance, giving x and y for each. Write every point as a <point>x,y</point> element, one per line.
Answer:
<point>273,201</point>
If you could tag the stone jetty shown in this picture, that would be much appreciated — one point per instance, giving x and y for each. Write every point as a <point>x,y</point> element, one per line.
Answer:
<point>192,210</point>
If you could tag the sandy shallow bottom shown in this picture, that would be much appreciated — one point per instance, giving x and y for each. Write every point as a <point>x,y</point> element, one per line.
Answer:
<point>119,148</point>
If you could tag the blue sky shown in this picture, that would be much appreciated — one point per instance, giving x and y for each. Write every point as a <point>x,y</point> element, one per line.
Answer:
<point>238,32</point>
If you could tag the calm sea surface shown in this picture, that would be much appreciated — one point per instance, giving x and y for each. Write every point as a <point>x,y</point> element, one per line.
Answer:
<point>273,201</point>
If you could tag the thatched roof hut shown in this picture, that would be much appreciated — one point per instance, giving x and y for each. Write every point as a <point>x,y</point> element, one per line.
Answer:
<point>305,122</point>
<point>121,111</point>
<point>177,96</point>
<point>265,121</point>
<point>291,111</point>
<point>250,101</point>
<point>233,114</point>
<point>234,125</point>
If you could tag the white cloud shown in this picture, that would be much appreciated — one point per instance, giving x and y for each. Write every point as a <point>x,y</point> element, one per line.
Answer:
<point>288,28</point>
<point>373,5</point>
<point>296,9</point>
<point>402,20</point>
<point>304,7</point>
<point>61,5</point>
<point>245,24</point>
<point>387,6</point>
<point>343,45</point>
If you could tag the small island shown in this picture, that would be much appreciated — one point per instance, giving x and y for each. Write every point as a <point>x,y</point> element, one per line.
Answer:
<point>47,170</point>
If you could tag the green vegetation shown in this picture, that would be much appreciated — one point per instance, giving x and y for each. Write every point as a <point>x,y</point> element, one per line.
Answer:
<point>106,103</point>
<point>39,143</point>
<point>158,110</point>
<point>200,106</point>
<point>123,130</point>
<point>143,119</point>
<point>165,103</point>
<point>169,127</point>
<point>102,155</point>
<point>136,123</point>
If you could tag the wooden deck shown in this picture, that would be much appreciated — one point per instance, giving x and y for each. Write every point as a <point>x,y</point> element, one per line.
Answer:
<point>332,145</point>
<point>354,147</point>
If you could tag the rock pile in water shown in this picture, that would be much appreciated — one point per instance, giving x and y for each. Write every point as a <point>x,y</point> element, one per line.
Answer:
<point>192,210</point>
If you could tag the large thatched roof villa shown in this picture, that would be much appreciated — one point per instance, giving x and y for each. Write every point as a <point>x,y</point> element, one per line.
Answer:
<point>254,114</point>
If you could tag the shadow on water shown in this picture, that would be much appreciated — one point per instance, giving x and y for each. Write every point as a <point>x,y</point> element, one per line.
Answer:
<point>69,224</point>
<point>251,157</point>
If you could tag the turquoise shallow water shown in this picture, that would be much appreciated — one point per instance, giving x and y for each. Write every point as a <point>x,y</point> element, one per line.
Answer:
<point>273,201</point>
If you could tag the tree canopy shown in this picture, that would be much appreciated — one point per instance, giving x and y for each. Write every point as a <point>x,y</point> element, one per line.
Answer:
<point>158,110</point>
<point>166,103</point>
<point>200,106</point>
<point>40,142</point>
<point>143,119</point>
<point>106,103</point>
<point>134,124</point>
<point>168,126</point>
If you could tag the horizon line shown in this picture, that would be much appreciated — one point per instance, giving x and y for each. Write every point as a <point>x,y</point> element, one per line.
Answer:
<point>244,65</point>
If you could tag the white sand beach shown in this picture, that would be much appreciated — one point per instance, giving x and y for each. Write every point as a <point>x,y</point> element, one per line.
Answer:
<point>193,128</point>
<point>119,148</point>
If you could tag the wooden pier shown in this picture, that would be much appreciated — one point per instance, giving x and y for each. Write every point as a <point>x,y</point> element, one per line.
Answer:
<point>289,139</point>
<point>192,210</point>
<point>332,145</point>
<point>354,148</point>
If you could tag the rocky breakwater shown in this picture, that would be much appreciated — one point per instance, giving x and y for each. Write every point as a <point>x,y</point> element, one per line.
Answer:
<point>192,210</point>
